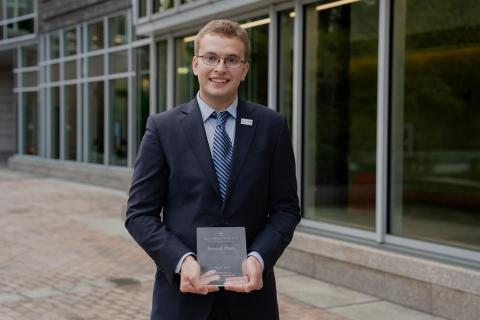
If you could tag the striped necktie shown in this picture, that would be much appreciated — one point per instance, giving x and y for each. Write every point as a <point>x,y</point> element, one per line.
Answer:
<point>222,151</point>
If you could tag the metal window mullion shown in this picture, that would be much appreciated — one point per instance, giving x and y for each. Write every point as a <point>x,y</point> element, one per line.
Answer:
<point>383,93</point>
<point>35,18</point>
<point>78,97</point>
<point>48,120</point>
<point>130,107</point>
<point>170,72</point>
<point>272,59</point>
<point>41,97</point>
<point>86,101</point>
<point>63,112</point>
<point>106,96</point>
<point>153,76</point>
<point>297,110</point>
<point>21,118</point>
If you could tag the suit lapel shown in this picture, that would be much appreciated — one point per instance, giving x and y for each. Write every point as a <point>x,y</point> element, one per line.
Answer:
<point>243,138</point>
<point>194,129</point>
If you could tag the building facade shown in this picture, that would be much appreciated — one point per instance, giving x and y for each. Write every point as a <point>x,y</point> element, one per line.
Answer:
<point>379,94</point>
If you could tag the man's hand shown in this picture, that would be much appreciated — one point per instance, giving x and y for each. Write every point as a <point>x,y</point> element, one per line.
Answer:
<point>192,281</point>
<point>252,279</point>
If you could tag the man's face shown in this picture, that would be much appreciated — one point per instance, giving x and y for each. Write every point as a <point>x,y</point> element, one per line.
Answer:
<point>219,84</point>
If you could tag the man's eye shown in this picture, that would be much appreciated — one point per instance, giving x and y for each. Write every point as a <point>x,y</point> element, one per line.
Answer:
<point>212,58</point>
<point>231,60</point>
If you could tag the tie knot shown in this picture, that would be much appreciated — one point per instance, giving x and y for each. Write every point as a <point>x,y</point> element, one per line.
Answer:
<point>221,117</point>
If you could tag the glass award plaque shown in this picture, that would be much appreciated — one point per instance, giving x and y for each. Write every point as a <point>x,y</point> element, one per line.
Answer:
<point>223,250</point>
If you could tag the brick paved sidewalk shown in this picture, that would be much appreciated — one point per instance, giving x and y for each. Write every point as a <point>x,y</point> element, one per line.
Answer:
<point>65,255</point>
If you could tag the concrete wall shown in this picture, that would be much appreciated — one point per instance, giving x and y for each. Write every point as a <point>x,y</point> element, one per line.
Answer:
<point>8,114</point>
<point>57,14</point>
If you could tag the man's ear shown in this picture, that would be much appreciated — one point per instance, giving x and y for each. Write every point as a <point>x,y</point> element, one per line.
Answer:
<point>195,65</point>
<point>246,67</point>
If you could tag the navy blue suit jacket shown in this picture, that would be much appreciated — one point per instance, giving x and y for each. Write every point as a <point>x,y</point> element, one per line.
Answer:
<point>175,190</point>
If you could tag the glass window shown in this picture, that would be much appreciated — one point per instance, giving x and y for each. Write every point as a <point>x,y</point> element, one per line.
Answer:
<point>186,84</point>
<point>29,79</point>
<point>20,28</point>
<point>54,46</point>
<point>285,64</point>
<point>118,61</point>
<point>70,42</point>
<point>55,123</point>
<point>436,122</point>
<point>340,101</point>
<point>142,8</point>
<point>117,28</point>
<point>118,122</point>
<point>95,66</point>
<point>162,5</point>
<point>162,73</point>
<point>1,33</point>
<point>30,123</point>
<point>16,8</point>
<point>95,124</point>
<point>187,1</point>
<point>71,122</point>
<point>143,90</point>
<point>70,69</point>
<point>255,86</point>
<point>54,72</point>
<point>95,36</point>
<point>29,56</point>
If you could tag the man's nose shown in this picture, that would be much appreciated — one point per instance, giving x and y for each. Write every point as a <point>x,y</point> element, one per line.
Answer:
<point>221,65</point>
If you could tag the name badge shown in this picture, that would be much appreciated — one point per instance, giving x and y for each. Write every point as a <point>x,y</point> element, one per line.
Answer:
<point>247,122</point>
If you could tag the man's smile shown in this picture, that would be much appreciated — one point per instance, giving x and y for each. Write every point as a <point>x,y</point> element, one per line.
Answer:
<point>219,80</point>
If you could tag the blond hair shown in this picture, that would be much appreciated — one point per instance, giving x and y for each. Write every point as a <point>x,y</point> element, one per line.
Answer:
<point>225,28</point>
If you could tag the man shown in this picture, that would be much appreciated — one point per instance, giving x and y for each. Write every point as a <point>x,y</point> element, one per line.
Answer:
<point>216,161</point>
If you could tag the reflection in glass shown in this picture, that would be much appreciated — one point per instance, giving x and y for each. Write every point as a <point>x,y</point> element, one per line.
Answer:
<point>95,122</point>
<point>54,72</point>
<point>340,101</point>
<point>55,123</point>
<point>20,28</point>
<point>285,64</point>
<point>95,36</point>
<point>70,42</point>
<point>118,122</point>
<point>71,122</point>
<point>142,8</point>
<point>17,8</point>
<point>29,56</point>
<point>29,79</point>
<point>162,76</point>
<point>186,84</point>
<point>143,90</point>
<point>118,62</point>
<point>255,86</point>
<point>54,46</point>
<point>436,122</point>
<point>162,5</point>
<point>30,123</point>
<point>117,28</point>
<point>95,66</point>
<point>70,69</point>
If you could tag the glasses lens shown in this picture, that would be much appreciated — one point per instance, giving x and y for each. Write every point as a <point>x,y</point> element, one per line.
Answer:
<point>211,59</point>
<point>232,61</point>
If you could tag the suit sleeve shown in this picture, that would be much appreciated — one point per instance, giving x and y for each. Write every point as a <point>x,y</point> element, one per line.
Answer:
<point>146,200</point>
<point>284,210</point>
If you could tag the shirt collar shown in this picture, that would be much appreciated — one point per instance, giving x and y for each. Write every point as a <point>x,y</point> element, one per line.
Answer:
<point>207,111</point>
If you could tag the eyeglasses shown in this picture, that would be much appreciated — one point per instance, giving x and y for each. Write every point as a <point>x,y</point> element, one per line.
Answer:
<point>212,59</point>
